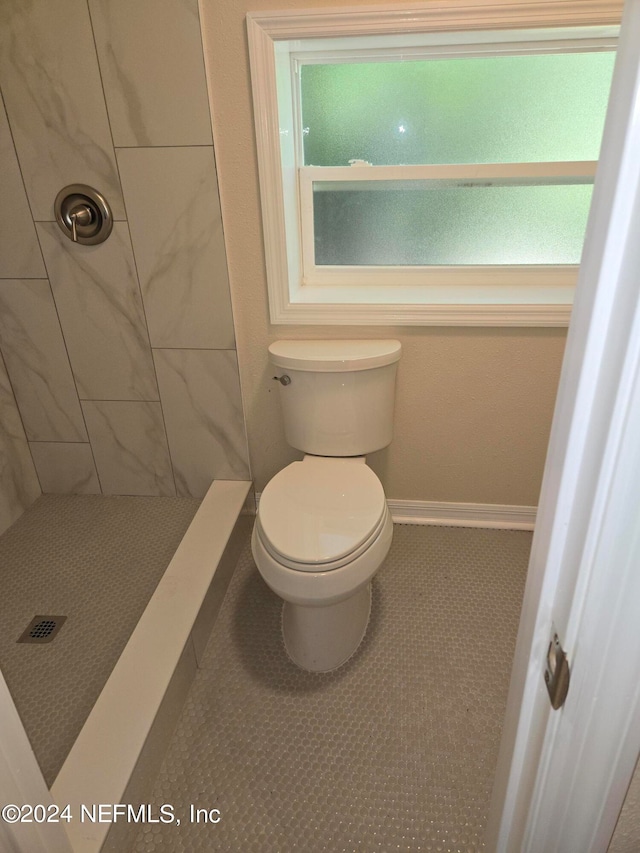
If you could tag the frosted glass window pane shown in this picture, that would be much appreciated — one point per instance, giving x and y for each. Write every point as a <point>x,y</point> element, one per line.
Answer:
<point>494,109</point>
<point>449,225</point>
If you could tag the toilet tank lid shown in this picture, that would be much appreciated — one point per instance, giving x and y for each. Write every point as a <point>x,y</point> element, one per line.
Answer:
<point>329,356</point>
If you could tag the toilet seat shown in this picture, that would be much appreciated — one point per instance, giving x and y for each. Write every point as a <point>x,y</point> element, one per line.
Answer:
<point>320,567</point>
<point>321,513</point>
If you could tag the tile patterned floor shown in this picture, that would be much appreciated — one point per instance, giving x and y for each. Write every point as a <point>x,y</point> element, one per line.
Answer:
<point>394,751</point>
<point>96,560</point>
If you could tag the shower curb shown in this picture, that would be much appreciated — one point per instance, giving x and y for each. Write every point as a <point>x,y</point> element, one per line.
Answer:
<point>121,746</point>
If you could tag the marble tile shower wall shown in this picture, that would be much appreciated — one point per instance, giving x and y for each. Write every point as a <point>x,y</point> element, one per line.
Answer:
<point>121,356</point>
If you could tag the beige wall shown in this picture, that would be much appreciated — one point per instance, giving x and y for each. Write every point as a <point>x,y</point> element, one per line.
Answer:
<point>474,406</point>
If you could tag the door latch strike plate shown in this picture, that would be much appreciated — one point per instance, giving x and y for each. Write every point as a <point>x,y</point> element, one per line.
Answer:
<point>556,673</point>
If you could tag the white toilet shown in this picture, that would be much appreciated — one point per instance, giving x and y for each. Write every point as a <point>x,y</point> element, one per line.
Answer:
<point>323,527</point>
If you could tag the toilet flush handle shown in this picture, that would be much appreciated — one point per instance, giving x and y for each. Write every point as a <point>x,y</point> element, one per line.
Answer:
<point>283,380</point>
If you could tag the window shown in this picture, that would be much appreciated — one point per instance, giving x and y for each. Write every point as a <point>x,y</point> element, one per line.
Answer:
<point>439,177</point>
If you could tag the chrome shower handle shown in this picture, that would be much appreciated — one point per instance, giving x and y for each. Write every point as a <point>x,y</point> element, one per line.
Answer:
<point>83,214</point>
<point>79,215</point>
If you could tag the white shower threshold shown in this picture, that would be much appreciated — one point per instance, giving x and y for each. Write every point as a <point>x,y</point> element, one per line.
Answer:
<point>121,745</point>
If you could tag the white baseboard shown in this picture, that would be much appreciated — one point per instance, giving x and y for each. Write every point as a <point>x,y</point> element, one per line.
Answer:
<point>500,516</point>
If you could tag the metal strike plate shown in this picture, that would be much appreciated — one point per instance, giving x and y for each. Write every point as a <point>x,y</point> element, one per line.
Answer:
<point>556,673</point>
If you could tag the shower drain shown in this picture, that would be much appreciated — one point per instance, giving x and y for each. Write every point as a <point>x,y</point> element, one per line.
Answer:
<point>41,629</point>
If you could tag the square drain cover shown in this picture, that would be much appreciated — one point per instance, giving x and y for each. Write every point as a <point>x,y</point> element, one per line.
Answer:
<point>42,629</point>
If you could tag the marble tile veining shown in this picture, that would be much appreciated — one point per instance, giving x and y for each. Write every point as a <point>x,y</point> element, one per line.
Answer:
<point>176,229</point>
<point>54,100</point>
<point>139,56</point>
<point>37,362</point>
<point>98,299</point>
<point>65,468</point>
<point>75,77</point>
<point>130,447</point>
<point>200,393</point>
<point>19,251</point>
<point>20,485</point>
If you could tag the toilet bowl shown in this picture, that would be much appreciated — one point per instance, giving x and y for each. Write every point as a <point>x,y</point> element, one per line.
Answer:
<point>322,532</point>
<point>323,528</point>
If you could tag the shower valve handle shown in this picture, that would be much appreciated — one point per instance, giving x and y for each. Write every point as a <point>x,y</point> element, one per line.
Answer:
<point>80,215</point>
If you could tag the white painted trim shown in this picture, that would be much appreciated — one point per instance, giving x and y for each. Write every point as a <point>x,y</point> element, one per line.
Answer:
<point>430,45</point>
<point>561,776</point>
<point>424,286</point>
<point>575,809</point>
<point>104,756</point>
<point>518,174</point>
<point>441,514</point>
<point>267,127</point>
<point>436,16</point>
<point>419,315</point>
<point>290,303</point>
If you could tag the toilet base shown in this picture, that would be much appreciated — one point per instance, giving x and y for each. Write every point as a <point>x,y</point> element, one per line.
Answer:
<point>320,639</point>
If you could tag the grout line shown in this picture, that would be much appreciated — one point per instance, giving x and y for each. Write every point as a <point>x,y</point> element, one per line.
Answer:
<point>164,423</point>
<point>144,147</point>
<point>243,403</point>
<point>104,98</point>
<point>24,185</point>
<point>114,400</point>
<point>34,278</point>
<point>66,349</point>
<point>3,364</point>
<point>56,441</point>
<point>197,349</point>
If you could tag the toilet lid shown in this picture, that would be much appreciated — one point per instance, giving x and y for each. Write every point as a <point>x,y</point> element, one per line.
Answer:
<point>320,510</point>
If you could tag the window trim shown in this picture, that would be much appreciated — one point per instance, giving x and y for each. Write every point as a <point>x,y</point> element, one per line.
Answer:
<point>326,303</point>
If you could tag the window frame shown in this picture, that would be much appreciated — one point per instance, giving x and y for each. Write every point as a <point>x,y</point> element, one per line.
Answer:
<point>449,275</point>
<point>301,293</point>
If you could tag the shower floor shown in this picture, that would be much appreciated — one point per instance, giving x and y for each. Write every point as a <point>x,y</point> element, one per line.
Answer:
<point>394,751</point>
<point>97,561</point>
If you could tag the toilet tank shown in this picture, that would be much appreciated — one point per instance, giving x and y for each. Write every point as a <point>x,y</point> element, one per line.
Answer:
<point>340,397</point>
